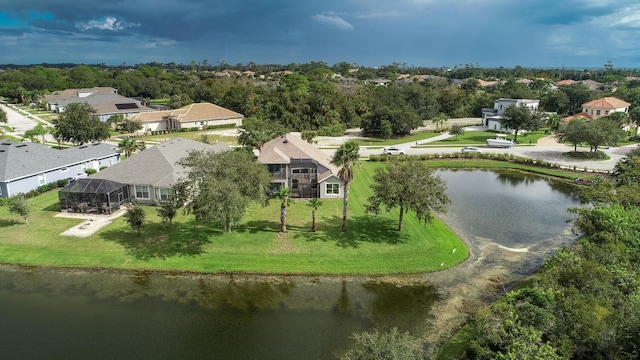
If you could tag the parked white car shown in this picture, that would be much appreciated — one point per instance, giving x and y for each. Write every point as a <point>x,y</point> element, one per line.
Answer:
<point>392,150</point>
<point>469,149</point>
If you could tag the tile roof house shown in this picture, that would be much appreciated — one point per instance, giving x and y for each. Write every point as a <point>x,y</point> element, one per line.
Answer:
<point>580,115</point>
<point>200,115</point>
<point>151,173</point>
<point>25,166</point>
<point>605,106</point>
<point>105,100</point>
<point>302,167</point>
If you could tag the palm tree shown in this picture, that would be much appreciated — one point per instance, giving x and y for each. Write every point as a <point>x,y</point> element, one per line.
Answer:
<point>314,204</point>
<point>284,195</point>
<point>129,145</point>
<point>440,119</point>
<point>345,157</point>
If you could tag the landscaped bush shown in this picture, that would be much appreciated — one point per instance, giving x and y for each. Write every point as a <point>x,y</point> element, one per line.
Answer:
<point>331,130</point>
<point>90,171</point>
<point>103,167</point>
<point>221,126</point>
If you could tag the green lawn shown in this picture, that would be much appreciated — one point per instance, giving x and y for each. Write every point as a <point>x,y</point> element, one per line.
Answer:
<point>192,135</point>
<point>480,138</point>
<point>388,142</point>
<point>371,246</point>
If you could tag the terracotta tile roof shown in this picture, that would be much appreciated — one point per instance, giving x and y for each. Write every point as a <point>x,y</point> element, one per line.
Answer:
<point>582,115</point>
<point>564,82</point>
<point>609,102</point>
<point>291,146</point>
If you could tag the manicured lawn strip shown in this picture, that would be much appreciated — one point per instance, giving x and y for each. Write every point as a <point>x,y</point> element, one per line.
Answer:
<point>387,142</point>
<point>480,138</point>
<point>371,246</point>
<point>497,164</point>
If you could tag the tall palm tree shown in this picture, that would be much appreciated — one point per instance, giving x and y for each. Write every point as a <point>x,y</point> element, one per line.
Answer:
<point>314,204</point>
<point>284,195</point>
<point>440,119</point>
<point>345,157</point>
<point>129,145</point>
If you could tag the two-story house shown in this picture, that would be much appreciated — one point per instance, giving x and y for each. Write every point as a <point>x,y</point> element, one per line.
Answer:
<point>491,117</point>
<point>605,107</point>
<point>300,166</point>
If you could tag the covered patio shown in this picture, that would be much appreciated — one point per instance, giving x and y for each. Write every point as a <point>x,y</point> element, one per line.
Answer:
<point>97,196</point>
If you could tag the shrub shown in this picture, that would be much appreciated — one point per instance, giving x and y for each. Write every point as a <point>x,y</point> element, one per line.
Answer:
<point>90,171</point>
<point>62,183</point>
<point>103,167</point>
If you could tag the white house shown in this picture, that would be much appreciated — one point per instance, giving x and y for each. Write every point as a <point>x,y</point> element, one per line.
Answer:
<point>491,117</point>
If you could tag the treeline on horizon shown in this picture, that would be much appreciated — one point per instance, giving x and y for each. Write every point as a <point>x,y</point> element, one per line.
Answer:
<point>313,98</point>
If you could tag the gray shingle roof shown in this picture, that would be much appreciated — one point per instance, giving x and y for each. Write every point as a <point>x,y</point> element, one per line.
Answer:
<point>157,166</point>
<point>22,159</point>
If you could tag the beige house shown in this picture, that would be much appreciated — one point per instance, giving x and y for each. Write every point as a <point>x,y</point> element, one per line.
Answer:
<point>105,100</point>
<point>604,107</point>
<point>200,115</point>
<point>300,166</point>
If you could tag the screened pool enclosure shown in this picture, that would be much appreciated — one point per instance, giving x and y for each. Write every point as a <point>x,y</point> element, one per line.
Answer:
<point>93,196</point>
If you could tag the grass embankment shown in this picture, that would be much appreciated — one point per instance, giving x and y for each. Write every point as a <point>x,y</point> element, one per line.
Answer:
<point>378,142</point>
<point>371,246</point>
<point>480,138</point>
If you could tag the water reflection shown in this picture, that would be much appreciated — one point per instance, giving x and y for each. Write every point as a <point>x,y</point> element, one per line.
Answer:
<point>75,314</point>
<point>523,210</point>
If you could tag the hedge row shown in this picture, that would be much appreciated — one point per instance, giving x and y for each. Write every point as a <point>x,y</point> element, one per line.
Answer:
<point>193,128</point>
<point>40,190</point>
<point>501,157</point>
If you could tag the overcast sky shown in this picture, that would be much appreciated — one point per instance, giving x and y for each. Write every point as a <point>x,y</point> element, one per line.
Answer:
<point>488,33</point>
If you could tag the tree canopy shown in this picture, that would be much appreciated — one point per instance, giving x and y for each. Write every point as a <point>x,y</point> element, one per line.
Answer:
<point>408,186</point>
<point>222,185</point>
<point>80,124</point>
<point>518,118</point>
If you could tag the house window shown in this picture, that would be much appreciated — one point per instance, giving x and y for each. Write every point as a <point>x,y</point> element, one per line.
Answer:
<point>41,179</point>
<point>142,192</point>
<point>294,184</point>
<point>597,112</point>
<point>0,190</point>
<point>274,168</point>
<point>64,169</point>
<point>606,112</point>
<point>333,189</point>
<point>165,194</point>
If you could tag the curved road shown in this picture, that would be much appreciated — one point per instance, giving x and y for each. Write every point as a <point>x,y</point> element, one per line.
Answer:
<point>547,149</point>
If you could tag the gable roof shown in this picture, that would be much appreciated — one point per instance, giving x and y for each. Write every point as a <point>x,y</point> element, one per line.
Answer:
<point>291,146</point>
<point>157,165</point>
<point>23,159</point>
<point>581,115</point>
<point>193,112</point>
<point>608,102</point>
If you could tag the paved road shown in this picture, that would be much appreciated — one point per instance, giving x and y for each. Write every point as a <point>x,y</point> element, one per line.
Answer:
<point>548,152</point>
<point>21,123</point>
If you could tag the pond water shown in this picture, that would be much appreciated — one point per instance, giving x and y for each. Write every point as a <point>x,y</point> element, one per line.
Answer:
<point>77,314</point>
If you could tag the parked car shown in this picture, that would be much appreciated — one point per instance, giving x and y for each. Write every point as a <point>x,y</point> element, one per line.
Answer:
<point>392,150</point>
<point>470,149</point>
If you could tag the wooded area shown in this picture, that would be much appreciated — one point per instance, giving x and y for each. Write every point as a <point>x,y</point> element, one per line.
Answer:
<point>327,99</point>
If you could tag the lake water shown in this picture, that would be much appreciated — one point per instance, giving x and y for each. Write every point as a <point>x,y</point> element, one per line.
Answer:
<point>74,314</point>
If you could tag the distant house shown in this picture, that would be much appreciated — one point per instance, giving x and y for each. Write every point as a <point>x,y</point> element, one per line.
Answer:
<point>605,106</point>
<point>300,166</point>
<point>26,166</point>
<point>200,115</point>
<point>581,115</point>
<point>491,117</point>
<point>380,82</point>
<point>151,173</point>
<point>105,100</point>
